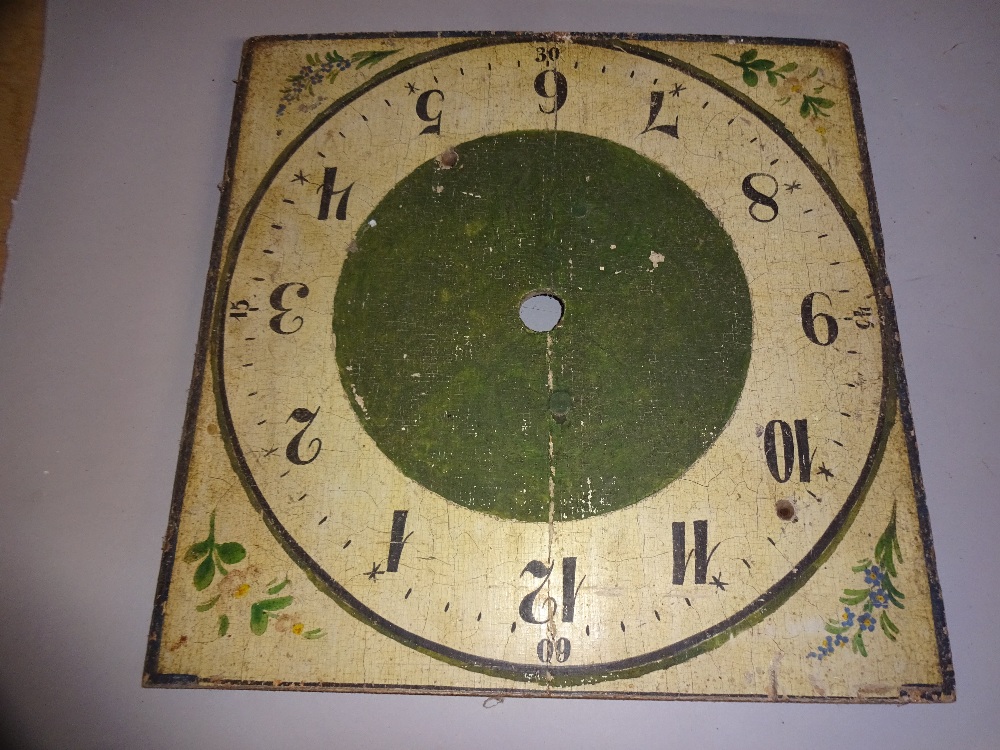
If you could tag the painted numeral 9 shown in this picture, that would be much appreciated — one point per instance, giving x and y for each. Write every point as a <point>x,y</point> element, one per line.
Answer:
<point>809,320</point>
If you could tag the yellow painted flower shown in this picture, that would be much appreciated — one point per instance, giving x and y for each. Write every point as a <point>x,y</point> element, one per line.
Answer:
<point>297,628</point>
<point>241,591</point>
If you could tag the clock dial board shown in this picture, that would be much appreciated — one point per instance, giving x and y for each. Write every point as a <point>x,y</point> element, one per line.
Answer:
<point>696,477</point>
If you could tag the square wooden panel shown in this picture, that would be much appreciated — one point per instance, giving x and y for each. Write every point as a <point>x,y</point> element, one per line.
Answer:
<point>550,365</point>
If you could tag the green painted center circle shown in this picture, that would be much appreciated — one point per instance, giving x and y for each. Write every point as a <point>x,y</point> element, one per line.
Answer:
<point>638,378</point>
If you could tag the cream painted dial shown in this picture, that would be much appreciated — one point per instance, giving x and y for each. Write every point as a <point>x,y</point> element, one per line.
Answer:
<point>663,468</point>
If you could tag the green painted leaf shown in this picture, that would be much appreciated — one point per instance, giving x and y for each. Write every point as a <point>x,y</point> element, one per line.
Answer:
<point>854,596</point>
<point>365,59</point>
<point>204,574</point>
<point>749,55</point>
<point>804,109</point>
<point>231,552</point>
<point>772,78</point>
<point>197,551</point>
<point>761,64</point>
<point>858,644</point>
<point>209,604</point>
<point>788,67</point>
<point>749,77</point>
<point>279,587</point>
<point>223,625</point>
<point>835,629</point>
<point>314,634</point>
<point>888,626</point>
<point>824,103</point>
<point>272,605</point>
<point>729,60</point>
<point>258,620</point>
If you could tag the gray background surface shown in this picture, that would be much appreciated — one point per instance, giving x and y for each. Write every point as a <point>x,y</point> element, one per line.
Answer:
<point>98,323</point>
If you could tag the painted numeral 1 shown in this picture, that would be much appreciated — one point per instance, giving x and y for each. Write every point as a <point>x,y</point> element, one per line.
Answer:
<point>397,540</point>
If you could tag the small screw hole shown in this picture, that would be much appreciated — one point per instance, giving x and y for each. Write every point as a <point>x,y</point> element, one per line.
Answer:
<point>785,510</point>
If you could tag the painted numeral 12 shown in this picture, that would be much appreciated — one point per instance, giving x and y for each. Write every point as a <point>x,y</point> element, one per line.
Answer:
<point>538,569</point>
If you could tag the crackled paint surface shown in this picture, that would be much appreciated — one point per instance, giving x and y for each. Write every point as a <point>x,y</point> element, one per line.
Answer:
<point>699,482</point>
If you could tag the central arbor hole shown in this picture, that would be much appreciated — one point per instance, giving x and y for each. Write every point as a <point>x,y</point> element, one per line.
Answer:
<point>541,312</point>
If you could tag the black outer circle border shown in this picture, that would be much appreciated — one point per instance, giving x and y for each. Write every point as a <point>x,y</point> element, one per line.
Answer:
<point>681,650</point>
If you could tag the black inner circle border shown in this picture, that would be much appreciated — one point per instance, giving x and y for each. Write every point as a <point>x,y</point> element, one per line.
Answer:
<point>675,653</point>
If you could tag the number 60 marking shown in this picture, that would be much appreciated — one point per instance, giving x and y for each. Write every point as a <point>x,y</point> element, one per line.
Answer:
<point>547,649</point>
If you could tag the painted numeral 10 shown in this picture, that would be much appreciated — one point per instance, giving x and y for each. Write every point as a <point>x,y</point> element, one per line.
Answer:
<point>789,447</point>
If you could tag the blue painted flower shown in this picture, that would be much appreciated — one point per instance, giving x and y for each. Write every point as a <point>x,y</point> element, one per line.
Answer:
<point>874,575</point>
<point>847,618</point>
<point>343,64</point>
<point>841,640</point>
<point>866,621</point>
<point>879,598</point>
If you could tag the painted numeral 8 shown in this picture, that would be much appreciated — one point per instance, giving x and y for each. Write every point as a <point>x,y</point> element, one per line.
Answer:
<point>758,198</point>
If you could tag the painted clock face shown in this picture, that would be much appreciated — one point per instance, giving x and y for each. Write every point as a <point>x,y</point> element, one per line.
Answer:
<point>551,505</point>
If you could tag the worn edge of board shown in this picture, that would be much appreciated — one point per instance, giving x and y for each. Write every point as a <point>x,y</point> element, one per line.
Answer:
<point>945,692</point>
